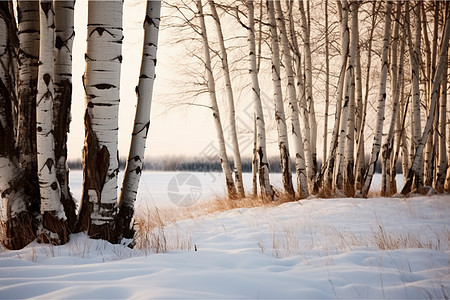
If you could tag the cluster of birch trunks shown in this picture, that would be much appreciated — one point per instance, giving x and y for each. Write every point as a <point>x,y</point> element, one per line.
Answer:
<point>36,40</point>
<point>395,66</point>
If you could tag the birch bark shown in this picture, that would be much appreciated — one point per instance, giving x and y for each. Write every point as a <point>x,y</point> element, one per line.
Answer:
<point>230,99</point>
<point>381,105</point>
<point>144,93</point>
<point>414,54</point>
<point>54,219</point>
<point>28,32</point>
<point>102,95</point>
<point>263,164</point>
<point>64,35</point>
<point>396,80</point>
<point>18,221</point>
<point>300,167</point>
<point>280,118</point>
<point>302,104</point>
<point>231,189</point>
<point>415,167</point>
<point>308,86</point>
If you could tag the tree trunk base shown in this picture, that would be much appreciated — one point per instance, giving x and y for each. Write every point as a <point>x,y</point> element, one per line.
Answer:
<point>19,231</point>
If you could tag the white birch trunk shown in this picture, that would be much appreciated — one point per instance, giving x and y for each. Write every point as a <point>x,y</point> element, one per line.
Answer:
<point>144,93</point>
<point>360,155</point>
<point>381,105</point>
<point>327,86</point>
<point>347,115</point>
<point>308,87</point>
<point>415,167</point>
<point>414,53</point>
<point>28,32</point>
<point>263,164</point>
<point>64,36</point>
<point>14,213</point>
<point>396,80</point>
<point>300,167</point>
<point>51,207</point>
<point>302,106</point>
<point>102,95</point>
<point>280,118</point>
<point>332,153</point>
<point>230,99</point>
<point>215,108</point>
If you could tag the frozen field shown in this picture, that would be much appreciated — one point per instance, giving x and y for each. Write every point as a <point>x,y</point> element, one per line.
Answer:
<point>319,248</point>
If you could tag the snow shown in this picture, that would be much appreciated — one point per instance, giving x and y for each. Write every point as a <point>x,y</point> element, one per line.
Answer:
<point>316,248</point>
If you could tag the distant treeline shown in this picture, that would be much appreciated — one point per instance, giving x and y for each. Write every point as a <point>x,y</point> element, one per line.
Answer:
<point>198,164</point>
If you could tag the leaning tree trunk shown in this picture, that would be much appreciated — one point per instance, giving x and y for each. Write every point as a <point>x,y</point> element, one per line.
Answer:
<point>231,189</point>
<point>283,144</point>
<point>64,35</point>
<point>54,218</point>
<point>28,32</point>
<point>381,105</point>
<point>18,221</point>
<point>144,93</point>
<point>263,164</point>
<point>100,153</point>
<point>442,64</point>
<point>230,98</point>
<point>300,167</point>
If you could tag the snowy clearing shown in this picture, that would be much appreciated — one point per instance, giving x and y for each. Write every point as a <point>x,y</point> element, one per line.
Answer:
<point>319,248</point>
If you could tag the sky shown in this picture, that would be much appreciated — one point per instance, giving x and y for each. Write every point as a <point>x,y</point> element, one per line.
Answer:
<point>173,131</point>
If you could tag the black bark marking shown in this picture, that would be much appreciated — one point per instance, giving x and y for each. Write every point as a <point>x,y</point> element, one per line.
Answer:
<point>49,164</point>
<point>59,43</point>
<point>146,127</point>
<point>47,77</point>
<point>54,186</point>
<point>104,86</point>
<point>46,6</point>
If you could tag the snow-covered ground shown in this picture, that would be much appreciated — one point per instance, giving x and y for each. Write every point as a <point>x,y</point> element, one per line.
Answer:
<point>318,248</point>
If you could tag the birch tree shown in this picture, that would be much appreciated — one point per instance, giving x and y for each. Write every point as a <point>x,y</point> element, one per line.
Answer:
<point>28,56</point>
<point>415,165</point>
<point>414,54</point>
<point>308,85</point>
<point>301,103</point>
<point>345,119</point>
<point>328,167</point>
<point>230,99</point>
<point>263,164</point>
<point>54,219</point>
<point>144,93</point>
<point>396,81</point>
<point>381,105</point>
<point>102,85</point>
<point>300,167</point>
<point>280,118</point>
<point>231,189</point>
<point>64,36</point>
<point>18,220</point>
